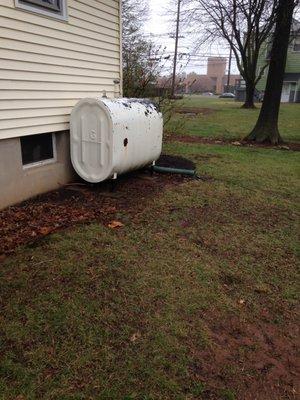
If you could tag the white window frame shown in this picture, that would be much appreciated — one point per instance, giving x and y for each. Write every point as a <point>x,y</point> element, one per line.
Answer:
<point>35,8</point>
<point>44,162</point>
<point>296,86</point>
<point>293,48</point>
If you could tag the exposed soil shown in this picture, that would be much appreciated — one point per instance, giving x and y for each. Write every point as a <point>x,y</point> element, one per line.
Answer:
<point>195,110</point>
<point>204,140</point>
<point>78,203</point>
<point>260,360</point>
<point>175,162</point>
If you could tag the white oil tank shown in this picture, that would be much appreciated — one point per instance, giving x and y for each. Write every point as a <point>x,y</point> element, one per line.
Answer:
<point>113,136</point>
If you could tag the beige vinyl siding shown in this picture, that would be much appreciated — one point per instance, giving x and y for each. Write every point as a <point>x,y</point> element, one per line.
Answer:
<point>47,65</point>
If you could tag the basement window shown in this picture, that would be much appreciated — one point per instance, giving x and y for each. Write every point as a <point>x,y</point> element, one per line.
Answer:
<point>49,8</point>
<point>38,149</point>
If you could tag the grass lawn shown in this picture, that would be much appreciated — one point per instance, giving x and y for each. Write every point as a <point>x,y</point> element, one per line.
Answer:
<point>229,121</point>
<point>195,297</point>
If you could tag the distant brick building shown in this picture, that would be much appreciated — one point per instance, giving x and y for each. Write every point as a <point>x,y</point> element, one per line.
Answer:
<point>214,81</point>
<point>216,67</point>
<point>195,83</point>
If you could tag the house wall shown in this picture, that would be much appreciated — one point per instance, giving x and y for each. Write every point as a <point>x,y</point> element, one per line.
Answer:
<point>293,61</point>
<point>292,68</point>
<point>47,65</point>
<point>260,63</point>
<point>18,183</point>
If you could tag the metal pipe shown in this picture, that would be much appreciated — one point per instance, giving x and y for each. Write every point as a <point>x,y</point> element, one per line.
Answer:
<point>190,172</point>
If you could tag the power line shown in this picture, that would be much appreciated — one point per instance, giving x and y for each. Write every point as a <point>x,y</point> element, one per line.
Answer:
<point>223,55</point>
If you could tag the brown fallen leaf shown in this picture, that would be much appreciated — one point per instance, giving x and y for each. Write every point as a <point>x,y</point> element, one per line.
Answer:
<point>45,230</point>
<point>115,224</point>
<point>135,337</point>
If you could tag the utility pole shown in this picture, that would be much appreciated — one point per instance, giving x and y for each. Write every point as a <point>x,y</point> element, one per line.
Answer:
<point>176,49</point>
<point>229,65</point>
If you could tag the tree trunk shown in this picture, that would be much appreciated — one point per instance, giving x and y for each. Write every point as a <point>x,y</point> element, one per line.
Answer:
<point>249,102</point>
<point>266,128</point>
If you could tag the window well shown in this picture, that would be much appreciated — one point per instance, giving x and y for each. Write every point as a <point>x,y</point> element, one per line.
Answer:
<point>38,148</point>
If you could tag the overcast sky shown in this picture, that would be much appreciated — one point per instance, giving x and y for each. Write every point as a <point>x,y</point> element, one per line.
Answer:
<point>160,26</point>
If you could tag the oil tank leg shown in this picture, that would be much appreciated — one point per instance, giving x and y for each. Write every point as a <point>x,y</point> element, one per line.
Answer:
<point>152,168</point>
<point>113,182</point>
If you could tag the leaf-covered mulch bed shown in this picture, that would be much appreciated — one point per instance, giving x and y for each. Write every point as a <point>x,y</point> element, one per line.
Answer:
<point>78,203</point>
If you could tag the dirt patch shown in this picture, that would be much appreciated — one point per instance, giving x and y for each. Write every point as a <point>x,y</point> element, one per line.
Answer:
<point>175,162</point>
<point>198,139</point>
<point>194,111</point>
<point>77,203</point>
<point>257,360</point>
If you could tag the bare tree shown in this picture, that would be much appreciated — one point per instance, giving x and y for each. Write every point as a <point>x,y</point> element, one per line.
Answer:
<point>133,17</point>
<point>142,59</point>
<point>266,128</point>
<point>244,24</point>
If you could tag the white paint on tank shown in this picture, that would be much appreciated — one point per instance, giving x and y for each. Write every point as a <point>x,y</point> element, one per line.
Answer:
<point>113,136</point>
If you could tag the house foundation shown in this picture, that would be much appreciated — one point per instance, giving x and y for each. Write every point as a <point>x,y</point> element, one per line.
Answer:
<point>19,182</point>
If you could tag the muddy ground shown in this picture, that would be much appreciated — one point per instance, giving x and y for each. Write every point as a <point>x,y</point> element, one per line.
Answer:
<point>77,203</point>
<point>194,111</point>
<point>290,146</point>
